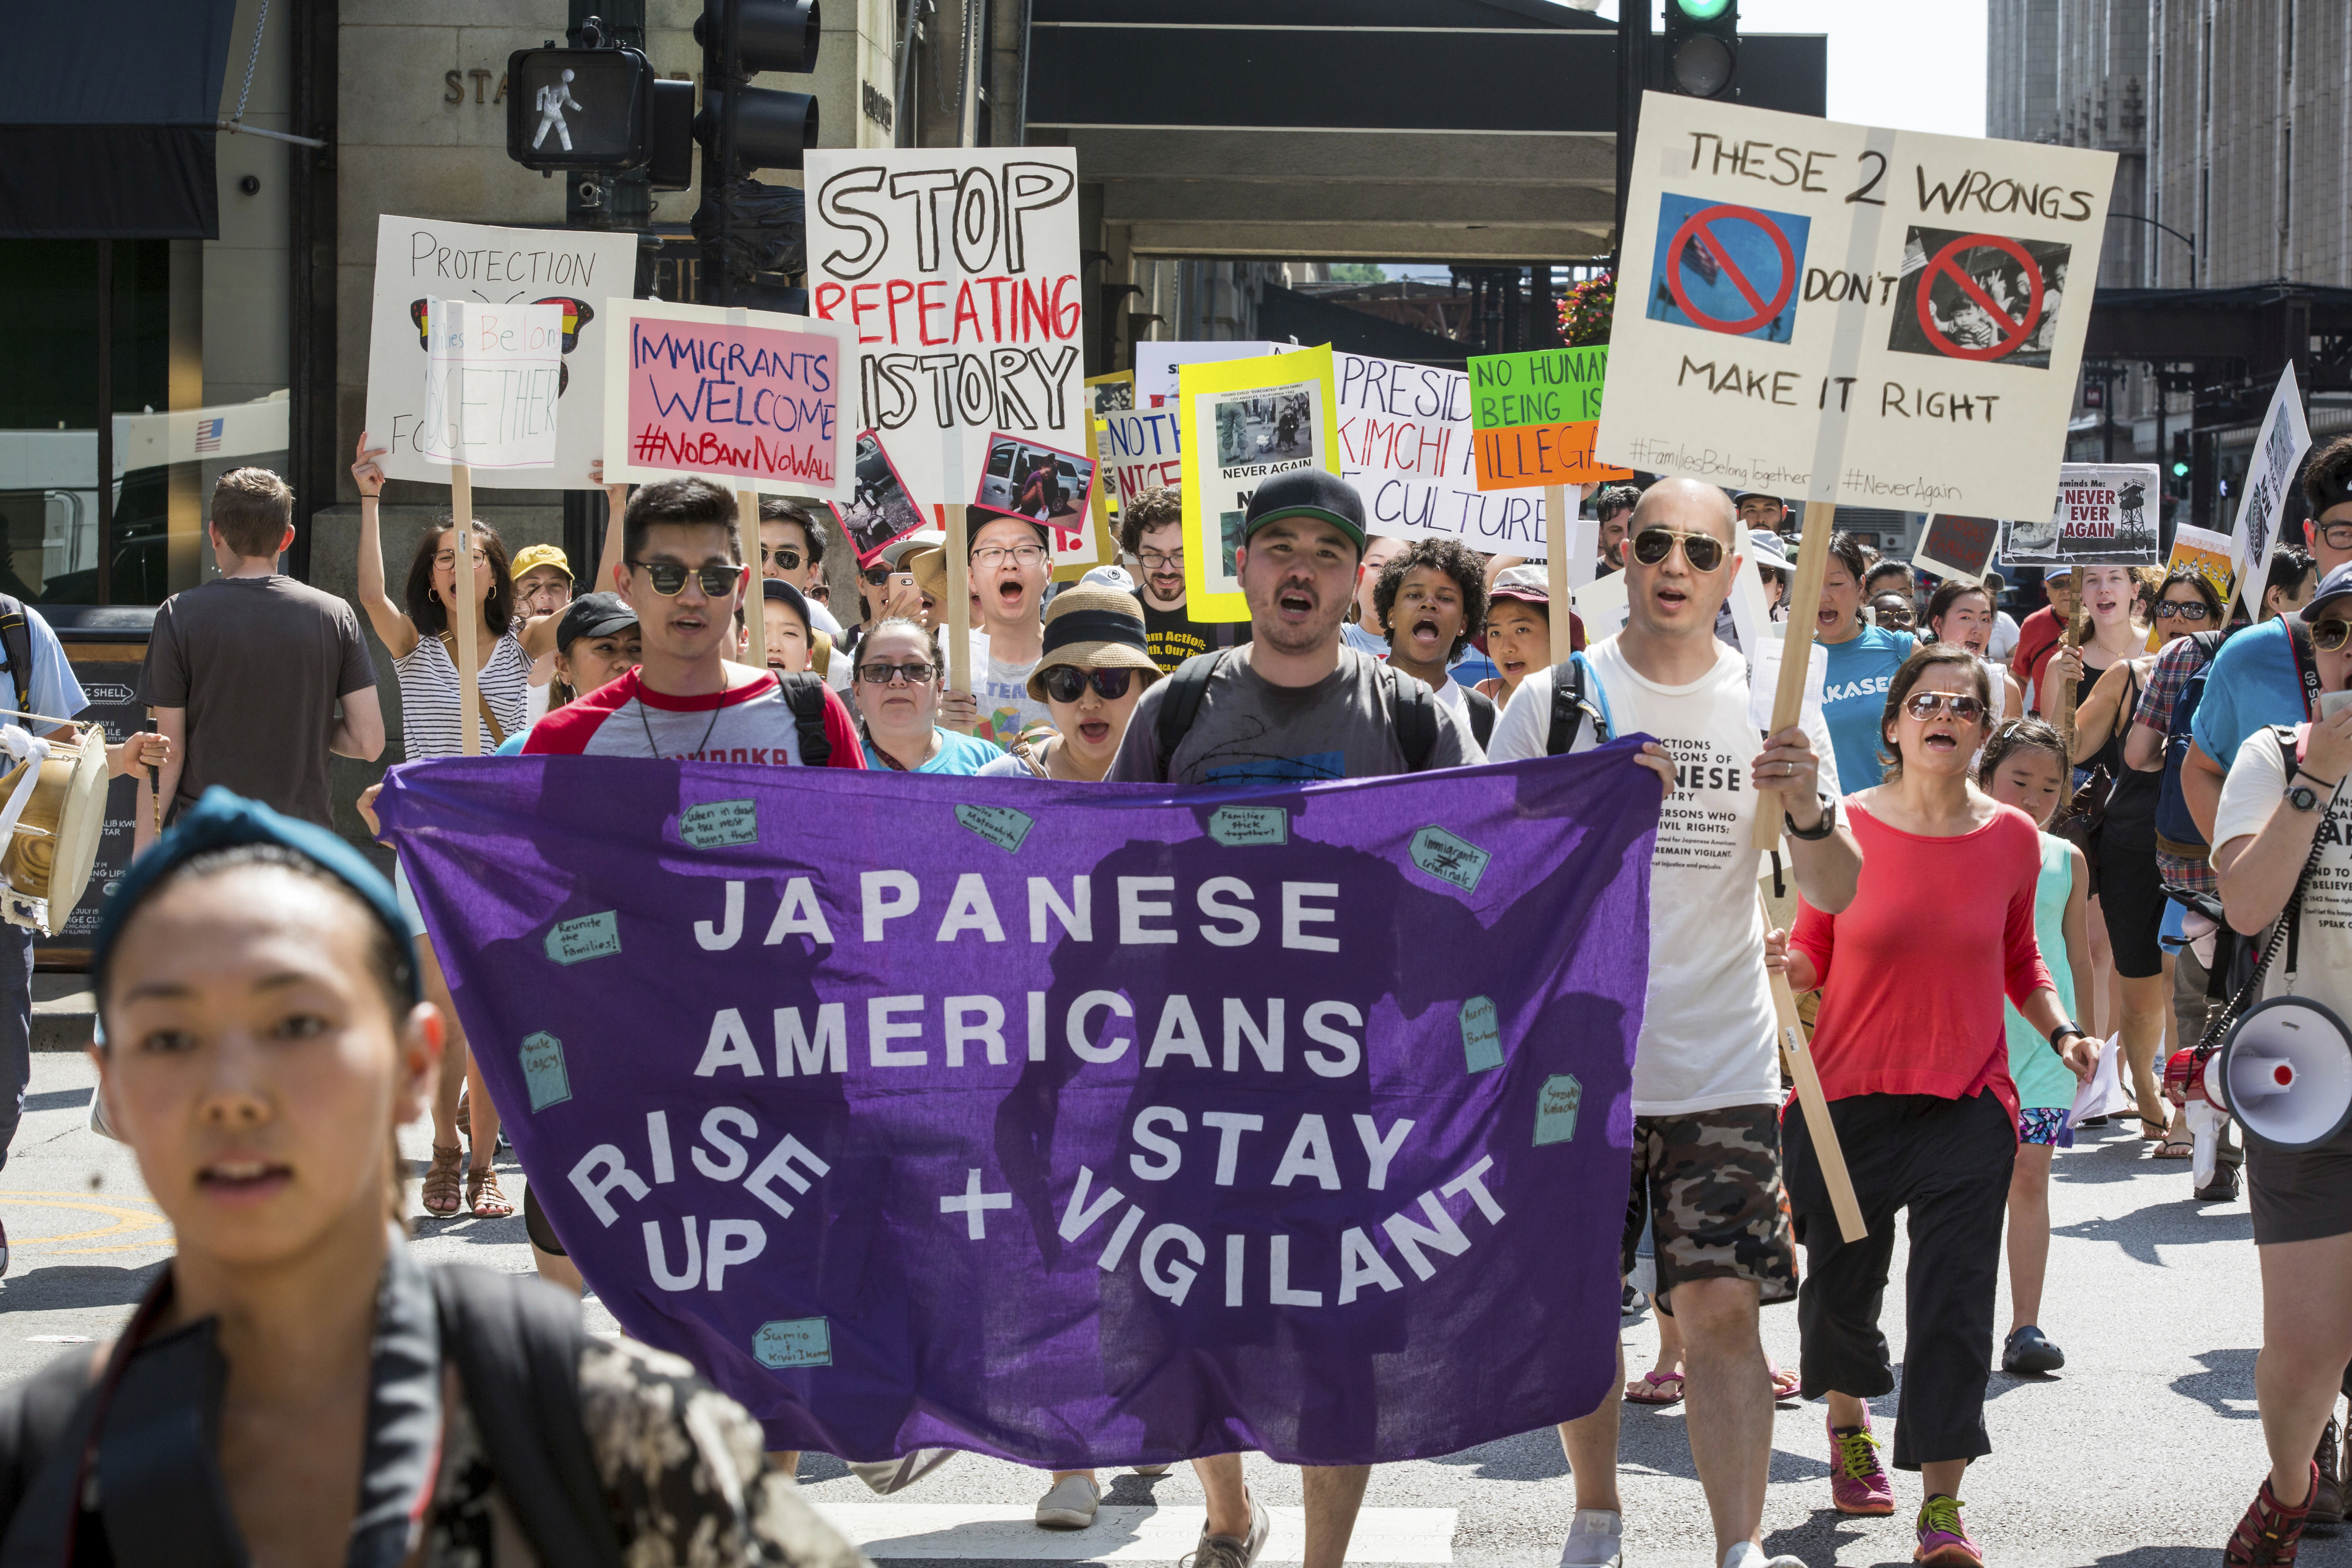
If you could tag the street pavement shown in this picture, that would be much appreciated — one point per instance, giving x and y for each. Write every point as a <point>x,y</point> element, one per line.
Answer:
<point>2140,1454</point>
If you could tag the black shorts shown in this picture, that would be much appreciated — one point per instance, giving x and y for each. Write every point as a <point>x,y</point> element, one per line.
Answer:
<point>2131,896</point>
<point>2300,1196</point>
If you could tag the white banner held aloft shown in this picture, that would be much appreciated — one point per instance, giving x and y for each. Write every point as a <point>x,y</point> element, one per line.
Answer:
<point>2105,514</point>
<point>491,375</point>
<point>1156,364</point>
<point>1850,314</point>
<point>2278,453</point>
<point>955,274</point>
<point>1405,444</point>
<point>422,259</point>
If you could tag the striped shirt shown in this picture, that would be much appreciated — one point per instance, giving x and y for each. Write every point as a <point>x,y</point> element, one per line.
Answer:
<point>428,697</point>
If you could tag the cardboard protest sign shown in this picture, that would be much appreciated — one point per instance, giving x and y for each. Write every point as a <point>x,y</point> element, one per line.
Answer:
<point>2105,515</point>
<point>1245,420</point>
<point>1536,415</point>
<point>1156,364</point>
<point>1406,444</point>
<point>930,1148</point>
<point>2209,554</point>
<point>1958,547</point>
<point>492,374</point>
<point>422,259</point>
<point>954,275</point>
<point>2278,453</point>
<point>751,400</point>
<point>1850,314</point>
<point>1141,448</point>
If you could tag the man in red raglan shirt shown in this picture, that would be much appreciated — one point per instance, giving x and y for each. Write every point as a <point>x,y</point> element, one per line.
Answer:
<point>682,573</point>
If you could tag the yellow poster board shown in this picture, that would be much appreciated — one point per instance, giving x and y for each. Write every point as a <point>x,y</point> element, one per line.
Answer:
<point>1244,421</point>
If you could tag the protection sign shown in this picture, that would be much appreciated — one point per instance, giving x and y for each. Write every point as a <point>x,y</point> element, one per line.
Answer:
<point>1844,313</point>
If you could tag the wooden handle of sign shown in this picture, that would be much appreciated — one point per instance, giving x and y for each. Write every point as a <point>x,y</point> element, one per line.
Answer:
<point>461,580</point>
<point>2061,710</point>
<point>959,604</point>
<point>1818,1125</point>
<point>1560,531</point>
<point>755,605</point>
<point>1797,651</point>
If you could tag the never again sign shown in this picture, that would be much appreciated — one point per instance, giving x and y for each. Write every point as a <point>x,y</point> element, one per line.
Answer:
<point>1534,417</point>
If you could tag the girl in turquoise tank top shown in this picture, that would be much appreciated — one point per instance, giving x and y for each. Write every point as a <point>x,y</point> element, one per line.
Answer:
<point>2021,767</point>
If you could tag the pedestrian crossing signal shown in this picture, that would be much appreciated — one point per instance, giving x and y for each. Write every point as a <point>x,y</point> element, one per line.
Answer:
<point>579,109</point>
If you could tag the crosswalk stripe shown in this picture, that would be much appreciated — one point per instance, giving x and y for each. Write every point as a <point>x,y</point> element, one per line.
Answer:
<point>1002,1533</point>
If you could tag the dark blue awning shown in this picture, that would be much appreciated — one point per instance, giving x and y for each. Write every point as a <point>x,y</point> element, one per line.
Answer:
<point>109,111</point>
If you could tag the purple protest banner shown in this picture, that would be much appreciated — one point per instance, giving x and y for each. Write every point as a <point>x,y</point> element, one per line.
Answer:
<point>1074,1123</point>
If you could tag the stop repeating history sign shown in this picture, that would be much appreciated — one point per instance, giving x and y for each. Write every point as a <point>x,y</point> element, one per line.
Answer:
<point>1840,313</point>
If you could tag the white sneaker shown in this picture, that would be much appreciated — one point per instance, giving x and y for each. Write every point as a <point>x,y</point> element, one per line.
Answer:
<point>1748,1555</point>
<point>1596,1540</point>
<point>1224,1550</point>
<point>1070,1505</point>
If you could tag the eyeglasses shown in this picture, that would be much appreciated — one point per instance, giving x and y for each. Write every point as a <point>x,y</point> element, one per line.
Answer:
<point>668,577</point>
<point>1928,704</point>
<point>1703,552</point>
<point>2182,610</point>
<point>1160,560</point>
<point>874,576</point>
<point>785,556</point>
<point>449,557</point>
<point>994,556</point>
<point>883,674</point>
<point>2336,535</point>
<point>2329,636</point>
<point>1067,683</point>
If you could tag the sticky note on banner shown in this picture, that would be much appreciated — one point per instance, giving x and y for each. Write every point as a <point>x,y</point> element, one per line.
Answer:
<point>543,1070</point>
<point>794,1342</point>
<point>1000,825</point>
<point>718,824</point>
<point>1482,1035</point>
<point>1449,858</point>
<point>1238,826</point>
<point>1764,681</point>
<point>589,936</point>
<point>1556,1108</point>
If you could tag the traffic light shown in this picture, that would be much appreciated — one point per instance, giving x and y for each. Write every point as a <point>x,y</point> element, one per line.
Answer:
<point>1702,48</point>
<point>753,236</point>
<point>746,127</point>
<point>2180,455</point>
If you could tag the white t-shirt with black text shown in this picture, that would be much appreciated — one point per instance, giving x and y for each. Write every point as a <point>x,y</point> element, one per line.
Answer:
<point>2253,788</point>
<point>1708,1024</point>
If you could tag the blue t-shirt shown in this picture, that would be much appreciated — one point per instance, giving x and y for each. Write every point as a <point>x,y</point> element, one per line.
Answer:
<point>2252,683</point>
<point>56,693</point>
<point>962,754</point>
<point>1854,700</point>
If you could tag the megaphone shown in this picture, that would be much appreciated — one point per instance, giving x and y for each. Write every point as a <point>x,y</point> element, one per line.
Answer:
<point>2286,1074</point>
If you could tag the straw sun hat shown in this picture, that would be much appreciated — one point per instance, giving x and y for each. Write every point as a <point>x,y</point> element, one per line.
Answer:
<point>1090,628</point>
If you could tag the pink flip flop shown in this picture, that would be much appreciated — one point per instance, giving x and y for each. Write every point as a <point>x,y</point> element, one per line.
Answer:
<point>1655,1388</point>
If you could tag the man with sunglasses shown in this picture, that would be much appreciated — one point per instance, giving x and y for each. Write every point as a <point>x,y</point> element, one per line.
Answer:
<point>681,572</point>
<point>1151,534</point>
<point>1707,1077</point>
<point>2261,676</point>
<point>792,549</point>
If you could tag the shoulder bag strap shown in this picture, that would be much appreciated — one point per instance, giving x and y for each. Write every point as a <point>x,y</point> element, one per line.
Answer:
<point>481,697</point>
<point>2307,664</point>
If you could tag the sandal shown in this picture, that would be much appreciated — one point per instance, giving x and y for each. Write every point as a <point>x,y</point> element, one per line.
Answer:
<point>1785,1384</point>
<point>2176,1149</point>
<point>484,1197</point>
<point>1655,1388</point>
<point>442,1187</point>
<point>2162,1129</point>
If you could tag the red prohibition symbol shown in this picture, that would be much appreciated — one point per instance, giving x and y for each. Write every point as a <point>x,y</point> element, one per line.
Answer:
<point>2014,333</point>
<point>1696,227</point>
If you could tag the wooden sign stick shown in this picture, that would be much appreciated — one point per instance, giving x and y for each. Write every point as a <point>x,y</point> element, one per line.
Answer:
<point>959,604</point>
<point>466,614</point>
<point>2062,714</point>
<point>1796,653</point>
<point>755,601</point>
<point>1816,1109</point>
<point>1560,528</point>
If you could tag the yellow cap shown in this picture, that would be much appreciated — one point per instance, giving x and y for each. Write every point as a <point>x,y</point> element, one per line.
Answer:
<point>531,558</point>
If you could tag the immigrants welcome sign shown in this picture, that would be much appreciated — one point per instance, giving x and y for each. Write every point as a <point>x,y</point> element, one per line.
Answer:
<point>1079,1124</point>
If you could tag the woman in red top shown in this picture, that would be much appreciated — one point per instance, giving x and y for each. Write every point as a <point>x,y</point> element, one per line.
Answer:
<point>1910,1046</point>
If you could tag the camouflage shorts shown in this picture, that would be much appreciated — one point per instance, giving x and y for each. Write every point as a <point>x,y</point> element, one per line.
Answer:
<point>1711,1183</point>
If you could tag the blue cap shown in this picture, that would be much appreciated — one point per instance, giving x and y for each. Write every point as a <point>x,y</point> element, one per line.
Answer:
<point>223,819</point>
<point>2337,584</point>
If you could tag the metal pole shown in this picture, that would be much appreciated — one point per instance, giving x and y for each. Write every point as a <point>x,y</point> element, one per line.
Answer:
<point>1632,75</point>
<point>105,422</point>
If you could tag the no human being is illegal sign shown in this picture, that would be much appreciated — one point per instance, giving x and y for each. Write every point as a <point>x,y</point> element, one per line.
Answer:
<point>1849,314</point>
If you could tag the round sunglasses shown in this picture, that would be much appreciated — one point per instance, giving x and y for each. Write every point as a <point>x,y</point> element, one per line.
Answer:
<point>1067,683</point>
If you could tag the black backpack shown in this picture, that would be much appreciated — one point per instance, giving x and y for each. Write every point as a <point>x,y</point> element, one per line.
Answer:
<point>805,694</point>
<point>517,1344</point>
<point>1482,711</point>
<point>1412,709</point>
<point>1570,708</point>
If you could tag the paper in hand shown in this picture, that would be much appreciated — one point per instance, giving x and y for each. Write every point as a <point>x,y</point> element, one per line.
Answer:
<point>1764,682</point>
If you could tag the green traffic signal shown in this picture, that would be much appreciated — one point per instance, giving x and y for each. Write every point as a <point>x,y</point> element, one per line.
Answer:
<point>2179,470</point>
<point>1702,10</point>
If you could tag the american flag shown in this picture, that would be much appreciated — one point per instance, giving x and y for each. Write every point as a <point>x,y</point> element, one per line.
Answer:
<point>208,433</point>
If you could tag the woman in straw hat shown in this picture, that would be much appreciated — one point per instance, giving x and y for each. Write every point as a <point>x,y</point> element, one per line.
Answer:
<point>1094,669</point>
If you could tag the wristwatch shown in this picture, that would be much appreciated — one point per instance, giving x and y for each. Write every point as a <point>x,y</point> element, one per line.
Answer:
<point>2302,797</point>
<point>2063,1030</point>
<point>1821,829</point>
